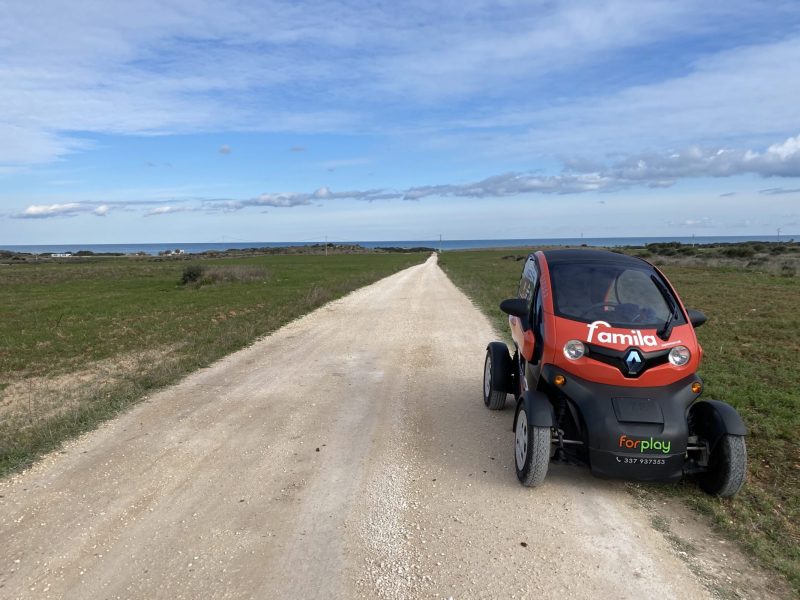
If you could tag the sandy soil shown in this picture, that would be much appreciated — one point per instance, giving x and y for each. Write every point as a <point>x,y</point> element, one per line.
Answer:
<point>347,455</point>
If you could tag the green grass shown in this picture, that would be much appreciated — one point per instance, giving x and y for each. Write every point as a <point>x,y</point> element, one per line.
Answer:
<point>81,341</point>
<point>752,360</point>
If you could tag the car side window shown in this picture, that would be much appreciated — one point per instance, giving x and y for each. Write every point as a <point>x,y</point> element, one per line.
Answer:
<point>536,321</point>
<point>530,276</point>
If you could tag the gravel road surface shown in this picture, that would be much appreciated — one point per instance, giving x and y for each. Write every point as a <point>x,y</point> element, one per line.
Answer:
<point>347,455</point>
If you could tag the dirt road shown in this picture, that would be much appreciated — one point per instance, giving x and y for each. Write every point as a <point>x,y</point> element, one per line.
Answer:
<point>347,455</point>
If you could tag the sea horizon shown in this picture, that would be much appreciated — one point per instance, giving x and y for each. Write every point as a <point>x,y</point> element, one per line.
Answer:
<point>154,248</point>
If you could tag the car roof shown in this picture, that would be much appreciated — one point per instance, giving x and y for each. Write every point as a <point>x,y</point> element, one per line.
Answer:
<point>570,255</point>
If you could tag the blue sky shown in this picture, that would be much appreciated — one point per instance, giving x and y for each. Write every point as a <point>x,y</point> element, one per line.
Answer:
<point>201,120</point>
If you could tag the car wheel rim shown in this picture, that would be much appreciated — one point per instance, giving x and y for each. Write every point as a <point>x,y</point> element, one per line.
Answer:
<point>521,439</point>
<point>487,377</point>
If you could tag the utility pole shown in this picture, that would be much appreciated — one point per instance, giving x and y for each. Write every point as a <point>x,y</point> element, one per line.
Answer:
<point>779,235</point>
<point>326,245</point>
<point>440,242</point>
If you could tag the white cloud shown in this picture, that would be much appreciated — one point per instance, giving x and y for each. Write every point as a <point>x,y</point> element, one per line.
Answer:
<point>743,95</point>
<point>292,199</point>
<point>161,67</point>
<point>778,160</point>
<point>652,170</point>
<point>278,200</point>
<point>168,210</point>
<point>482,47</point>
<point>69,209</point>
<point>98,209</point>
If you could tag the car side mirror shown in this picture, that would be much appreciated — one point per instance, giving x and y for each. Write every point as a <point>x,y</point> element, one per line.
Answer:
<point>516,307</point>
<point>696,318</point>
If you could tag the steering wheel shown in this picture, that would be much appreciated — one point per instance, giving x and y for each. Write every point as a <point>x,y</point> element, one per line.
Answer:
<point>594,307</point>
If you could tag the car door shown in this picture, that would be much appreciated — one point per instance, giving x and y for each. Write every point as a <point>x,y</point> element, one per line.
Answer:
<point>522,328</point>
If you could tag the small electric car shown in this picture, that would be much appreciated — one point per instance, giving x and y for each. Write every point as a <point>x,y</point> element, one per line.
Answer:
<point>604,372</point>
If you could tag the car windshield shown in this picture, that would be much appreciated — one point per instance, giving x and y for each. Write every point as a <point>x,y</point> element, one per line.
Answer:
<point>621,295</point>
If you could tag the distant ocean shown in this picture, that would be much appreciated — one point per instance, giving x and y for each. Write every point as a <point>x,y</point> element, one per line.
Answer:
<point>443,245</point>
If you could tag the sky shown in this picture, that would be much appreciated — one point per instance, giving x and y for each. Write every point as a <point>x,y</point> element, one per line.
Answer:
<point>212,121</point>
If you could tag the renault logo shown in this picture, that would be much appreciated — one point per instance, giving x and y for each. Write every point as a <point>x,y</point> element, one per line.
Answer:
<point>634,361</point>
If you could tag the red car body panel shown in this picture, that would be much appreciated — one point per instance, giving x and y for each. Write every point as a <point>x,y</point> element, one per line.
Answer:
<point>559,330</point>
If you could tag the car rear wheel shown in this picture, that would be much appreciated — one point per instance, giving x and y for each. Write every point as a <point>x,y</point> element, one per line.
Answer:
<point>531,450</point>
<point>727,467</point>
<point>494,394</point>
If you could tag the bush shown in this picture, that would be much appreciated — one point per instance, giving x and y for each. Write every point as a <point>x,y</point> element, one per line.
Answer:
<point>739,252</point>
<point>788,270</point>
<point>192,274</point>
<point>210,275</point>
<point>659,247</point>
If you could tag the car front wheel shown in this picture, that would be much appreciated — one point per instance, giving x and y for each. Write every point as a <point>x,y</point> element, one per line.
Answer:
<point>531,450</point>
<point>727,467</point>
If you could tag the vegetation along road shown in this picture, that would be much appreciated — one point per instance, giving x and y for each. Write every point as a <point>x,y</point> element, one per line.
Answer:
<point>346,455</point>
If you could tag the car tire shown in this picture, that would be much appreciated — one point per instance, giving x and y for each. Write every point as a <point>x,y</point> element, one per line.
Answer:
<point>494,394</point>
<point>531,450</point>
<point>727,467</point>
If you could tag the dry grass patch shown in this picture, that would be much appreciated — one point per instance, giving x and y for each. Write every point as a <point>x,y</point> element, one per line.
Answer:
<point>27,401</point>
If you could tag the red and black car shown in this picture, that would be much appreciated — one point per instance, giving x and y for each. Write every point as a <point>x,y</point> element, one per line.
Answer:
<point>604,371</point>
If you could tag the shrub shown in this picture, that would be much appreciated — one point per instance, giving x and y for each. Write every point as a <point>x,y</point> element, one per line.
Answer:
<point>739,252</point>
<point>788,270</point>
<point>192,274</point>
<point>657,247</point>
<point>201,275</point>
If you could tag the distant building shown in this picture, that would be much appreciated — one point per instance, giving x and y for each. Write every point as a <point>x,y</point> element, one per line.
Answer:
<point>61,254</point>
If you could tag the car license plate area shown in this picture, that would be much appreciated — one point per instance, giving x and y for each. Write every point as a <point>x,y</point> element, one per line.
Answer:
<point>637,410</point>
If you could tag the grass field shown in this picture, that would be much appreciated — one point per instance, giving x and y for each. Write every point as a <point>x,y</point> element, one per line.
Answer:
<point>82,339</point>
<point>752,360</point>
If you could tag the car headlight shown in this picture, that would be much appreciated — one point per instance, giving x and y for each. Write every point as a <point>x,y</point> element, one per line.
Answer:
<point>574,349</point>
<point>679,356</point>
